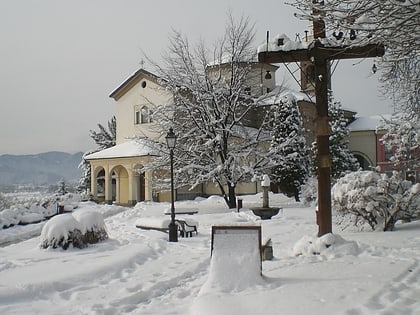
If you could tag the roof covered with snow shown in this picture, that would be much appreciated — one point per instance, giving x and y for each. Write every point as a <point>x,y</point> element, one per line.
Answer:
<point>367,123</point>
<point>132,148</point>
<point>281,92</point>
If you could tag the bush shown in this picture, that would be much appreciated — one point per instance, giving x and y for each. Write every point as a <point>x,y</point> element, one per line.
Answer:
<point>309,192</point>
<point>374,198</point>
<point>79,229</point>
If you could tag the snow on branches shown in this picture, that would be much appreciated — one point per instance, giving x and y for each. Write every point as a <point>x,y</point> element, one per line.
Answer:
<point>402,138</point>
<point>394,23</point>
<point>220,126</point>
<point>342,160</point>
<point>289,141</point>
<point>373,198</point>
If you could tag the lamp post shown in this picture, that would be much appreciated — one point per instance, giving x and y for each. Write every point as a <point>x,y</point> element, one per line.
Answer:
<point>173,230</point>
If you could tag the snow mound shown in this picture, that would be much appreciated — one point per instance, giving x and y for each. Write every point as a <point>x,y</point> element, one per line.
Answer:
<point>77,229</point>
<point>31,217</point>
<point>89,220</point>
<point>235,263</point>
<point>328,245</point>
<point>235,267</point>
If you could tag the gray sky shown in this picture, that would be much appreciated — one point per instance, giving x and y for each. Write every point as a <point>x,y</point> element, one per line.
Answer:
<point>59,60</point>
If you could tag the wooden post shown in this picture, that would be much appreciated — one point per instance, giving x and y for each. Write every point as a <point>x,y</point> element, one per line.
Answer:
<point>322,133</point>
<point>320,56</point>
<point>323,151</point>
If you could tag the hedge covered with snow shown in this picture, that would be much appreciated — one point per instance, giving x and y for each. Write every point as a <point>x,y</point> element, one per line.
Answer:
<point>78,229</point>
<point>27,208</point>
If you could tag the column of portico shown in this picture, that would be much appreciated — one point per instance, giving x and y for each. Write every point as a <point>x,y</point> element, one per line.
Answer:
<point>93,184</point>
<point>133,187</point>
<point>148,177</point>
<point>108,186</point>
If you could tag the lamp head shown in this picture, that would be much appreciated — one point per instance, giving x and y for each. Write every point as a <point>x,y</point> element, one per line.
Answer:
<point>170,139</point>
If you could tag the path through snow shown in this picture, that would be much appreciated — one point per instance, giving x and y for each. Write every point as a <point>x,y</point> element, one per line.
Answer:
<point>140,272</point>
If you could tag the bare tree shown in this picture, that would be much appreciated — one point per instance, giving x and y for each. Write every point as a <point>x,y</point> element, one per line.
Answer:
<point>220,137</point>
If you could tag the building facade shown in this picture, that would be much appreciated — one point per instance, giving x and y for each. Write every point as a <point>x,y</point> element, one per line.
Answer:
<point>117,173</point>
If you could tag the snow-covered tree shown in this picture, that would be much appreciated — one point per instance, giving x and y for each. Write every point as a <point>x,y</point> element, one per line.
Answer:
<point>374,198</point>
<point>104,138</point>
<point>394,23</point>
<point>287,135</point>
<point>402,138</point>
<point>62,188</point>
<point>211,111</point>
<point>342,160</point>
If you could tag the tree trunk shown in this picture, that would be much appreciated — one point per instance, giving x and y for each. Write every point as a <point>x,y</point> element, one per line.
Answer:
<point>390,220</point>
<point>231,200</point>
<point>230,197</point>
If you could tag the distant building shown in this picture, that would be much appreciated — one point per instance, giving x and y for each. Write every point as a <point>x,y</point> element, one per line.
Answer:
<point>365,143</point>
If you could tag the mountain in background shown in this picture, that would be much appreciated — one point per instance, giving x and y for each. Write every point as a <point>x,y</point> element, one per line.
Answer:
<point>39,169</point>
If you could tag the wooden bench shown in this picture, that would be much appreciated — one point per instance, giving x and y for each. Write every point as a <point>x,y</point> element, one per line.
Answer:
<point>186,227</point>
<point>189,211</point>
<point>153,223</point>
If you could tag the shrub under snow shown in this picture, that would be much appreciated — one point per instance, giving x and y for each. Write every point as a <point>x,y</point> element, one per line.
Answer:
<point>372,198</point>
<point>78,229</point>
<point>328,244</point>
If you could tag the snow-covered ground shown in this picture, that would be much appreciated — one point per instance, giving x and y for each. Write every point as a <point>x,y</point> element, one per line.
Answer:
<point>139,272</point>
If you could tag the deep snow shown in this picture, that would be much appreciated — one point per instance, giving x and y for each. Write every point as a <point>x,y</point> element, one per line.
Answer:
<point>139,272</point>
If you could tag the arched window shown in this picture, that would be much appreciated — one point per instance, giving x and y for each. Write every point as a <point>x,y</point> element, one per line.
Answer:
<point>145,115</point>
<point>142,116</point>
<point>100,183</point>
<point>363,161</point>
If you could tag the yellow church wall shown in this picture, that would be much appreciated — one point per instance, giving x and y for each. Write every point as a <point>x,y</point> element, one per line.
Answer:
<point>133,100</point>
<point>364,141</point>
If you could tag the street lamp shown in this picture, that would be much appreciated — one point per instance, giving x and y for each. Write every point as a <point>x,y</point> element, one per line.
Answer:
<point>173,229</point>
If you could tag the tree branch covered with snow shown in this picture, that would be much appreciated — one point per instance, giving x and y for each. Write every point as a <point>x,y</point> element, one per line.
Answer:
<point>104,138</point>
<point>402,137</point>
<point>373,198</point>
<point>342,160</point>
<point>212,113</point>
<point>395,23</point>
<point>289,140</point>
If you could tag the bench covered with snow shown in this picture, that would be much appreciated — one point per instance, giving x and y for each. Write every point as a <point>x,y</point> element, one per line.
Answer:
<point>190,211</point>
<point>186,227</point>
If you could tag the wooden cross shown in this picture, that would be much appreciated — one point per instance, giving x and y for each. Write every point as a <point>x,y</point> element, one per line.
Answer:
<point>320,55</point>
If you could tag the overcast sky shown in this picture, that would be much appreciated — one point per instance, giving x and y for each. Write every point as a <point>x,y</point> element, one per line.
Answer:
<point>59,60</point>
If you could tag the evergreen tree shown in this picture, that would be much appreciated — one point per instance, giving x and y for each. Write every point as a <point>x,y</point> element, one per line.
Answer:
<point>62,188</point>
<point>104,138</point>
<point>287,135</point>
<point>342,160</point>
<point>403,140</point>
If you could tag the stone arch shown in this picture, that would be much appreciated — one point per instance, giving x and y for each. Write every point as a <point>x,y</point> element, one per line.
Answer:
<point>364,161</point>
<point>98,183</point>
<point>120,184</point>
